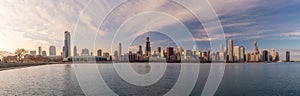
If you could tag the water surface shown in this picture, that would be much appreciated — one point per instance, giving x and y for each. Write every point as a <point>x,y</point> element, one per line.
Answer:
<point>238,79</point>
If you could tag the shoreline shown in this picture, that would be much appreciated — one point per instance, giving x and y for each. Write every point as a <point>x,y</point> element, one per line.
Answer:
<point>9,66</point>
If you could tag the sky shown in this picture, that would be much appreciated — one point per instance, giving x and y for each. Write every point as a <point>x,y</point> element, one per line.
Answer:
<point>99,24</point>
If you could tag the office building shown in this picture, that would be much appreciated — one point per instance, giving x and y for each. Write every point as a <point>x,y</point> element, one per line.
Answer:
<point>67,45</point>
<point>44,53</point>
<point>158,50</point>
<point>242,53</point>
<point>169,53</point>
<point>105,54</point>
<point>265,55</point>
<point>288,56</point>
<point>237,53</point>
<point>187,54</point>
<point>40,50</point>
<point>273,54</point>
<point>52,50</point>
<point>99,52</point>
<point>120,52</point>
<point>33,52</point>
<point>85,52</point>
<point>148,47</point>
<point>256,51</point>
<point>230,51</point>
<point>75,51</point>
<point>140,51</point>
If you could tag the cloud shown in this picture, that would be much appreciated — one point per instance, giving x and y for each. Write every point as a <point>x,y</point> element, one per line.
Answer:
<point>291,35</point>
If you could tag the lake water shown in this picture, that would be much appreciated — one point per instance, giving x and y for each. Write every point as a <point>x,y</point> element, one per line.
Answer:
<point>238,79</point>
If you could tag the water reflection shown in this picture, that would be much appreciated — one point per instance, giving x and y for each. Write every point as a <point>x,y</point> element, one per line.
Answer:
<point>239,79</point>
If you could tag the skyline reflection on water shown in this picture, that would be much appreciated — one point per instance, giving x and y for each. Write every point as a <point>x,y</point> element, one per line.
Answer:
<point>239,79</point>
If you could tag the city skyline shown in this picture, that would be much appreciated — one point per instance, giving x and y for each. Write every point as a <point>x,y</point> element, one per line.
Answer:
<point>243,22</point>
<point>238,52</point>
<point>229,53</point>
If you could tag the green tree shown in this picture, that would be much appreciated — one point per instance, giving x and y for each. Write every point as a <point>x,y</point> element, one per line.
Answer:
<point>20,53</point>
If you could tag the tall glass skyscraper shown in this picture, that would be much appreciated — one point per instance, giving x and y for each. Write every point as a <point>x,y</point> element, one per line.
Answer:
<point>148,48</point>
<point>67,45</point>
<point>230,50</point>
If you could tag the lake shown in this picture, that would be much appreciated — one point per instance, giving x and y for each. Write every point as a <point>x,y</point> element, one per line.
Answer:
<point>70,80</point>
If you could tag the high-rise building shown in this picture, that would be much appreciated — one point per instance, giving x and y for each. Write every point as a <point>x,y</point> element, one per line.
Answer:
<point>67,45</point>
<point>52,50</point>
<point>194,50</point>
<point>169,53</point>
<point>99,52</point>
<point>178,50</point>
<point>256,51</point>
<point>162,53</point>
<point>148,47</point>
<point>157,52</point>
<point>288,56</point>
<point>140,51</point>
<point>85,52</point>
<point>105,54</point>
<point>237,53</point>
<point>242,53</point>
<point>44,53</point>
<point>116,57</point>
<point>222,48</point>
<point>273,54</point>
<point>222,53</point>
<point>40,50</point>
<point>187,54</point>
<point>265,55</point>
<point>247,57</point>
<point>75,51</point>
<point>277,57</point>
<point>158,49</point>
<point>33,52</point>
<point>120,52</point>
<point>230,50</point>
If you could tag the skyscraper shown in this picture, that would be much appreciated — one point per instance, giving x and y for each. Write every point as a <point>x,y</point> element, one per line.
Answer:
<point>40,50</point>
<point>140,51</point>
<point>256,51</point>
<point>148,47</point>
<point>67,45</point>
<point>105,54</point>
<point>265,55</point>
<point>247,56</point>
<point>99,52</point>
<point>242,53</point>
<point>222,48</point>
<point>75,51</point>
<point>158,50</point>
<point>237,53</point>
<point>288,55</point>
<point>52,50</point>
<point>120,52</point>
<point>169,53</point>
<point>230,50</point>
<point>273,54</point>
<point>85,52</point>
<point>194,50</point>
<point>44,53</point>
